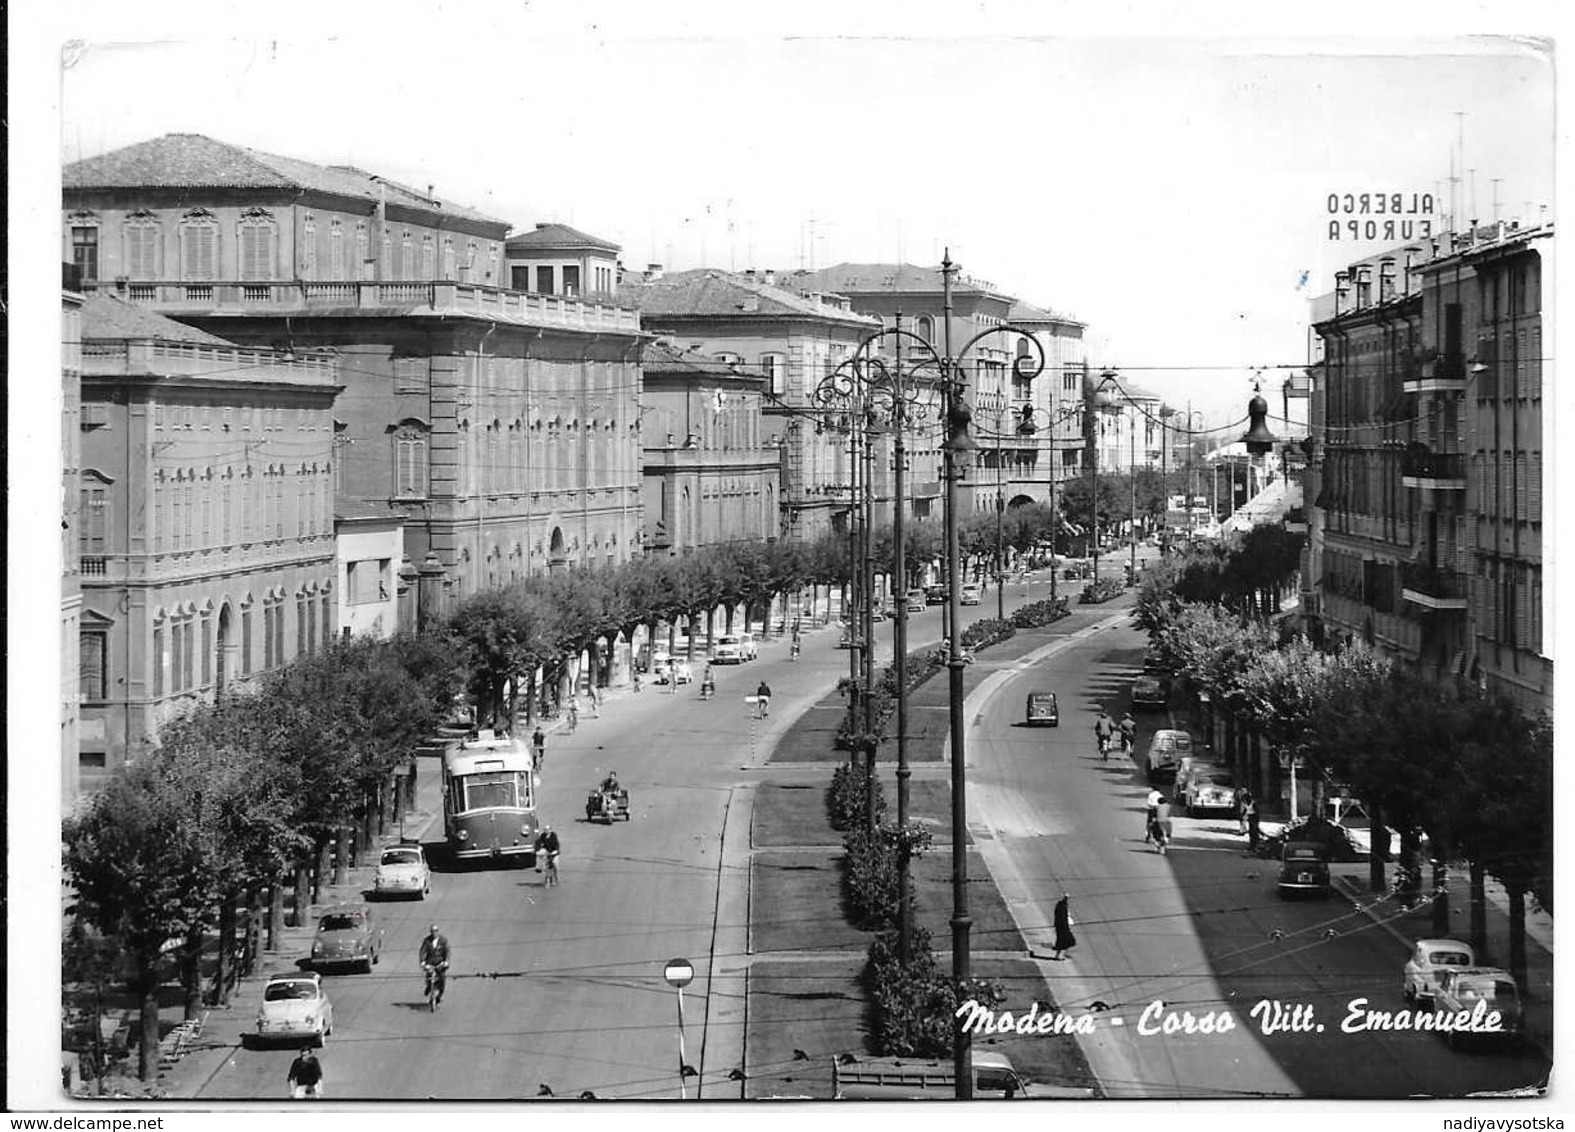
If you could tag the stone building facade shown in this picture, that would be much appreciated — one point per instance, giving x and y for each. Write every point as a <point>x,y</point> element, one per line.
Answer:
<point>205,530</point>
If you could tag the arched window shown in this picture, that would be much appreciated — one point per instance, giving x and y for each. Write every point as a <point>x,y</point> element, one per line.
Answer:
<point>410,460</point>
<point>924,327</point>
<point>142,245</point>
<point>259,236</point>
<point>199,245</point>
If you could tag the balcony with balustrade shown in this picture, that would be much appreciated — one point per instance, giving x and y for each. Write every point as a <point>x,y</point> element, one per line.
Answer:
<point>442,298</point>
<point>1433,587</point>
<point>1439,374</point>
<point>1439,471</point>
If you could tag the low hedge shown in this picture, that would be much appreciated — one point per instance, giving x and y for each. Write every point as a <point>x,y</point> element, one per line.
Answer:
<point>911,1006</point>
<point>1039,613</point>
<point>1102,590</point>
<point>872,879</point>
<point>983,634</point>
<point>845,797</point>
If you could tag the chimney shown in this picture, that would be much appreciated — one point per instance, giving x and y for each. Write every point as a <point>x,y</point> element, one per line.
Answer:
<point>1364,286</point>
<point>749,274</point>
<point>653,272</point>
<point>771,277</point>
<point>1386,279</point>
<point>1342,288</point>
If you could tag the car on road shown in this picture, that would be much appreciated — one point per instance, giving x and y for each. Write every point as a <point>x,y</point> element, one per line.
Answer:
<point>1493,988</point>
<point>1304,868</point>
<point>747,645</point>
<point>347,936</point>
<point>1042,710</point>
<point>1165,752</point>
<point>728,650</point>
<point>1204,786</point>
<point>665,670</point>
<point>1153,662</point>
<point>1430,958</point>
<point>1149,694</point>
<point>295,1007</point>
<point>972,593</point>
<point>934,595</point>
<point>845,639</point>
<point>916,601</point>
<point>402,871</point>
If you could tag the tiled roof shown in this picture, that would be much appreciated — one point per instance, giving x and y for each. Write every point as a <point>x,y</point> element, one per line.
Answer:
<point>106,317</point>
<point>661,356</point>
<point>705,291</point>
<point>191,161</point>
<point>856,278</point>
<point>1027,312</point>
<point>558,236</point>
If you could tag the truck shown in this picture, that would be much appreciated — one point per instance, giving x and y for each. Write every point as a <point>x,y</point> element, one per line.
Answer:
<point>855,1077</point>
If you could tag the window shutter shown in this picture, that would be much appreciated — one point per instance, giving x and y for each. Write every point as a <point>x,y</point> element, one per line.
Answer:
<point>199,244</point>
<point>141,251</point>
<point>257,251</point>
<point>1522,487</point>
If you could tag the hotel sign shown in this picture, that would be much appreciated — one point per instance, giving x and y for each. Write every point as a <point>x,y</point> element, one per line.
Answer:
<point>1382,216</point>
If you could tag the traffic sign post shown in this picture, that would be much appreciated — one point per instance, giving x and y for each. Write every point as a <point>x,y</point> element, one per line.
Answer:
<point>679,973</point>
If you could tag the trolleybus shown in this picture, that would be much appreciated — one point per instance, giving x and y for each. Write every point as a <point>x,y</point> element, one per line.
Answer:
<point>489,799</point>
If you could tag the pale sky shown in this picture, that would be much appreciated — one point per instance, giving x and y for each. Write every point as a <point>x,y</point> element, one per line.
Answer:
<point>1170,192</point>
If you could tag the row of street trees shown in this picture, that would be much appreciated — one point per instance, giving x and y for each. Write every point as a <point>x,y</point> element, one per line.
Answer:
<point>243,795</point>
<point>1472,774</point>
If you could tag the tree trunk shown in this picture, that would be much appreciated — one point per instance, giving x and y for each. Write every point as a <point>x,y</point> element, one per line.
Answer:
<point>1410,866</point>
<point>1517,935</point>
<point>276,914</point>
<point>148,1047</point>
<point>1440,890</point>
<point>191,973</point>
<point>1378,833</point>
<point>369,808</point>
<point>1479,939</point>
<point>224,967</point>
<point>341,853</point>
<point>324,861</point>
<point>302,896</point>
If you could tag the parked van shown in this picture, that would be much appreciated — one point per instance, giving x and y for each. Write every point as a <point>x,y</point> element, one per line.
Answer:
<point>905,1078</point>
<point>1165,753</point>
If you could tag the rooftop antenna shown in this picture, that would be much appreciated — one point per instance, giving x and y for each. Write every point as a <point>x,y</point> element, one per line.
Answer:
<point>1496,181</point>
<point>1472,173</point>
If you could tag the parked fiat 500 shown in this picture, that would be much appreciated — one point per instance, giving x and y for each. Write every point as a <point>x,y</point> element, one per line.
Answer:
<point>1430,958</point>
<point>295,1007</point>
<point>402,871</point>
<point>1463,989</point>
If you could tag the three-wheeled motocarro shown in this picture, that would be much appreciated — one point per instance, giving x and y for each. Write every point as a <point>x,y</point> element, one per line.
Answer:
<point>607,805</point>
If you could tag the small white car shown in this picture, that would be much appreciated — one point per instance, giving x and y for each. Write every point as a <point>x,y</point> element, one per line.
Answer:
<point>402,871</point>
<point>666,670</point>
<point>295,1007</point>
<point>1430,958</point>
<point>972,593</point>
<point>728,650</point>
<point>747,646</point>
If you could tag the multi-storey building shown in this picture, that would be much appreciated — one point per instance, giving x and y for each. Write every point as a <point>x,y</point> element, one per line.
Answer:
<point>794,340</point>
<point>1426,415</point>
<point>709,478</point>
<point>1128,429</point>
<point>206,519</point>
<point>554,259</point>
<point>1054,453</point>
<point>1476,459</point>
<point>70,559</point>
<point>499,426</point>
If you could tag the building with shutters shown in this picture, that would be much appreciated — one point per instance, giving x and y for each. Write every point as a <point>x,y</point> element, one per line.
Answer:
<point>1426,481</point>
<point>793,340</point>
<point>498,426</point>
<point>709,476</point>
<point>70,561</point>
<point>205,523</point>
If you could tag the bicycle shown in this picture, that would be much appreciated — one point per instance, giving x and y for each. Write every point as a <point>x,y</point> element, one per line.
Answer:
<point>436,979</point>
<point>1157,832</point>
<point>552,870</point>
<point>1104,748</point>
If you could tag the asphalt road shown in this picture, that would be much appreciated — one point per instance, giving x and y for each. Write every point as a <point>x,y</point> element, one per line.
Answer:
<point>563,988</point>
<point>1201,931</point>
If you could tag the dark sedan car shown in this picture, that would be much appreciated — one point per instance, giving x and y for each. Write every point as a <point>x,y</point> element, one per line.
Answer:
<point>1149,693</point>
<point>1304,868</point>
<point>347,936</point>
<point>934,595</point>
<point>1042,710</point>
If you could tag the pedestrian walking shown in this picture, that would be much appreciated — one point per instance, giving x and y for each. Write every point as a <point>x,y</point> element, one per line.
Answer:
<point>596,702</point>
<point>1243,804</point>
<point>305,1079</point>
<point>1064,939</point>
<point>574,713</point>
<point>538,749</point>
<point>1252,826</point>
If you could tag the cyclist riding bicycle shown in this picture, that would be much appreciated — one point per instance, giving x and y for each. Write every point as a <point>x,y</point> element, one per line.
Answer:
<point>1104,727</point>
<point>433,957</point>
<point>1151,804</point>
<point>547,848</point>
<point>1128,732</point>
<point>610,783</point>
<point>306,1076</point>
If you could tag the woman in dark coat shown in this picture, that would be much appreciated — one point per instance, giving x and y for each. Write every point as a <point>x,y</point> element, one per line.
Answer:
<point>1064,939</point>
